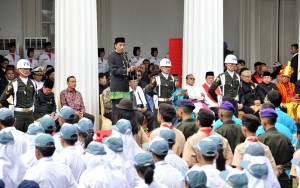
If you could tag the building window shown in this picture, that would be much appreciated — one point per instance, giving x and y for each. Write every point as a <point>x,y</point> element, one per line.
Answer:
<point>48,20</point>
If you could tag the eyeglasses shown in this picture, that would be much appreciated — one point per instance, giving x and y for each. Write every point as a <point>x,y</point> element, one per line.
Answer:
<point>192,78</point>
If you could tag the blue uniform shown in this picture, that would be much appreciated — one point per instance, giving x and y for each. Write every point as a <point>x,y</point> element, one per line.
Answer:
<point>219,123</point>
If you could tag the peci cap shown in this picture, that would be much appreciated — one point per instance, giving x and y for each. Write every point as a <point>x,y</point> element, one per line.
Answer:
<point>230,59</point>
<point>85,125</point>
<point>28,184</point>
<point>6,137</point>
<point>207,147</point>
<point>186,103</point>
<point>268,112</point>
<point>49,70</point>
<point>119,39</point>
<point>255,149</point>
<point>66,112</point>
<point>209,73</point>
<point>44,141</point>
<point>168,135</point>
<point>235,178</point>
<point>122,126</point>
<point>47,122</point>
<point>69,132</point>
<point>113,143</point>
<point>159,146</point>
<point>143,159</point>
<point>196,178</point>
<point>256,168</point>
<point>6,114</point>
<point>267,73</point>
<point>96,148</point>
<point>227,106</point>
<point>34,129</point>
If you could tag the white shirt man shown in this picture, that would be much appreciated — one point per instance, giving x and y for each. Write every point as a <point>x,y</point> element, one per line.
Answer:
<point>197,94</point>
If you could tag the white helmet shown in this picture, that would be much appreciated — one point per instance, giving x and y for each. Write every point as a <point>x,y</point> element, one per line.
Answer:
<point>165,63</point>
<point>23,64</point>
<point>230,59</point>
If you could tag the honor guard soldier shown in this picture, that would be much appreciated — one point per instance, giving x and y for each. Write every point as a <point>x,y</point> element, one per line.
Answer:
<point>136,56</point>
<point>47,58</point>
<point>23,90</point>
<point>228,81</point>
<point>164,84</point>
<point>154,57</point>
<point>12,57</point>
<point>102,62</point>
<point>119,70</point>
<point>30,55</point>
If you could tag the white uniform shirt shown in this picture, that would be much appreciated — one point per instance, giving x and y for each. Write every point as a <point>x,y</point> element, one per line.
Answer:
<point>12,169</point>
<point>49,173</point>
<point>58,146</point>
<point>177,162</point>
<point>102,65</point>
<point>20,144</point>
<point>139,96</point>
<point>11,60</point>
<point>34,63</point>
<point>154,60</point>
<point>100,173</point>
<point>133,60</point>
<point>212,174</point>
<point>38,85</point>
<point>195,92</point>
<point>168,175</point>
<point>154,184</point>
<point>72,158</point>
<point>45,60</point>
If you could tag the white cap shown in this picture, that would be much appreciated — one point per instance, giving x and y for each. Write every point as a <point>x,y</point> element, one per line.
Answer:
<point>230,59</point>
<point>165,63</point>
<point>23,64</point>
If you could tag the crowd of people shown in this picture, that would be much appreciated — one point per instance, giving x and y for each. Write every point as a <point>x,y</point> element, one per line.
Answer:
<point>237,129</point>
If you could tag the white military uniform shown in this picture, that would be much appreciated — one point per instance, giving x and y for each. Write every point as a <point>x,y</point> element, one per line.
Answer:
<point>45,60</point>
<point>33,62</point>
<point>133,60</point>
<point>154,60</point>
<point>72,158</point>
<point>168,175</point>
<point>177,162</point>
<point>102,65</point>
<point>12,61</point>
<point>49,173</point>
<point>212,174</point>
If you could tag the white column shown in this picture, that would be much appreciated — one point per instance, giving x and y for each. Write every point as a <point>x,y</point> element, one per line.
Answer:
<point>76,50</point>
<point>202,38</point>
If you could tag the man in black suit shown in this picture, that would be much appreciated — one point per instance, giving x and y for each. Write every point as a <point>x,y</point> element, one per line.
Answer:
<point>294,62</point>
<point>9,75</point>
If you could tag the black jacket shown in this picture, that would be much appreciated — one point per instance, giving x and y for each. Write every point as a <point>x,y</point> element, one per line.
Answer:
<point>44,104</point>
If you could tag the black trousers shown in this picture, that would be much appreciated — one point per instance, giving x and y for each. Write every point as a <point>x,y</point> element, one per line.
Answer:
<point>23,120</point>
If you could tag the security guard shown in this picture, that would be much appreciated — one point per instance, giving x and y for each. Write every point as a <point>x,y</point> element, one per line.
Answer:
<point>23,90</point>
<point>164,84</point>
<point>228,81</point>
<point>136,56</point>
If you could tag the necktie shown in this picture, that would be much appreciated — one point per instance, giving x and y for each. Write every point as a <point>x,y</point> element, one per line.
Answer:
<point>13,56</point>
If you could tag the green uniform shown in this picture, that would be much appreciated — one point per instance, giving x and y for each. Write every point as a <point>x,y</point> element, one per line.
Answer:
<point>229,89</point>
<point>187,127</point>
<point>232,132</point>
<point>280,146</point>
<point>25,98</point>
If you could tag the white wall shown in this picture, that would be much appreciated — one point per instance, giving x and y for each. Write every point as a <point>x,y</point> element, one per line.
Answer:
<point>146,23</point>
<point>11,20</point>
